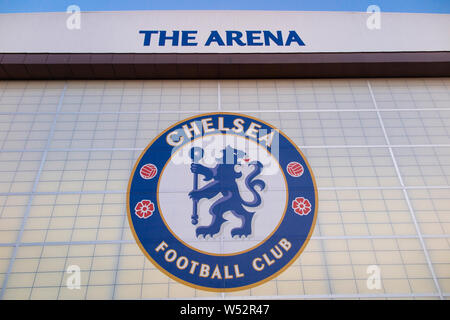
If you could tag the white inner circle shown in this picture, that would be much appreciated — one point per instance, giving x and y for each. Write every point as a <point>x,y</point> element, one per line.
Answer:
<point>176,207</point>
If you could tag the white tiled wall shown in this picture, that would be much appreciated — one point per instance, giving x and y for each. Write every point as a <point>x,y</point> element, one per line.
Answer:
<point>379,148</point>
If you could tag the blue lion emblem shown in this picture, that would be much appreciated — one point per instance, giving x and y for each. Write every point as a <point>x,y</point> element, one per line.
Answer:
<point>223,180</point>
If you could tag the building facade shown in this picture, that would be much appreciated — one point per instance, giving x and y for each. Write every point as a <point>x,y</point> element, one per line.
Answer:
<point>367,105</point>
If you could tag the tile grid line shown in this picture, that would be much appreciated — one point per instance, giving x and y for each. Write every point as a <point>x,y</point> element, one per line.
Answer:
<point>337,146</point>
<point>440,164</point>
<point>370,233</point>
<point>7,134</point>
<point>45,238</point>
<point>228,110</point>
<point>219,108</point>
<point>98,242</point>
<point>89,270</point>
<point>125,218</point>
<point>2,147</point>
<point>101,208</point>
<point>301,129</point>
<point>46,193</point>
<point>145,260</point>
<point>322,241</point>
<point>331,296</point>
<point>72,135</point>
<point>10,131</point>
<point>30,199</point>
<point>259,101</point>
<point>405,193</point>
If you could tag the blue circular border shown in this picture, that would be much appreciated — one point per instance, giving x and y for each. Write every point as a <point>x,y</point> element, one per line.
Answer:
<point>150,232</point>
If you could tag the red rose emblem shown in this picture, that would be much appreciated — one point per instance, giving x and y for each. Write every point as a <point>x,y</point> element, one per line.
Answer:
<point>301,206</point>
<point>144,209</point>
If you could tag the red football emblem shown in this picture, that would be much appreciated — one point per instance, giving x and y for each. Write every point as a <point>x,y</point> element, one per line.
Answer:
<point>148,171</point>
<point>144,209</point>
<point>294,169</point>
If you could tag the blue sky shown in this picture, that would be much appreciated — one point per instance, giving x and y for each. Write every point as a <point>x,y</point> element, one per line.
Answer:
<point>419,6</point>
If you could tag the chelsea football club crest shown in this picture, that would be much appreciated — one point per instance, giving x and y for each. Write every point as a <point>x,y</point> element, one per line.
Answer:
<point>222,201</point>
